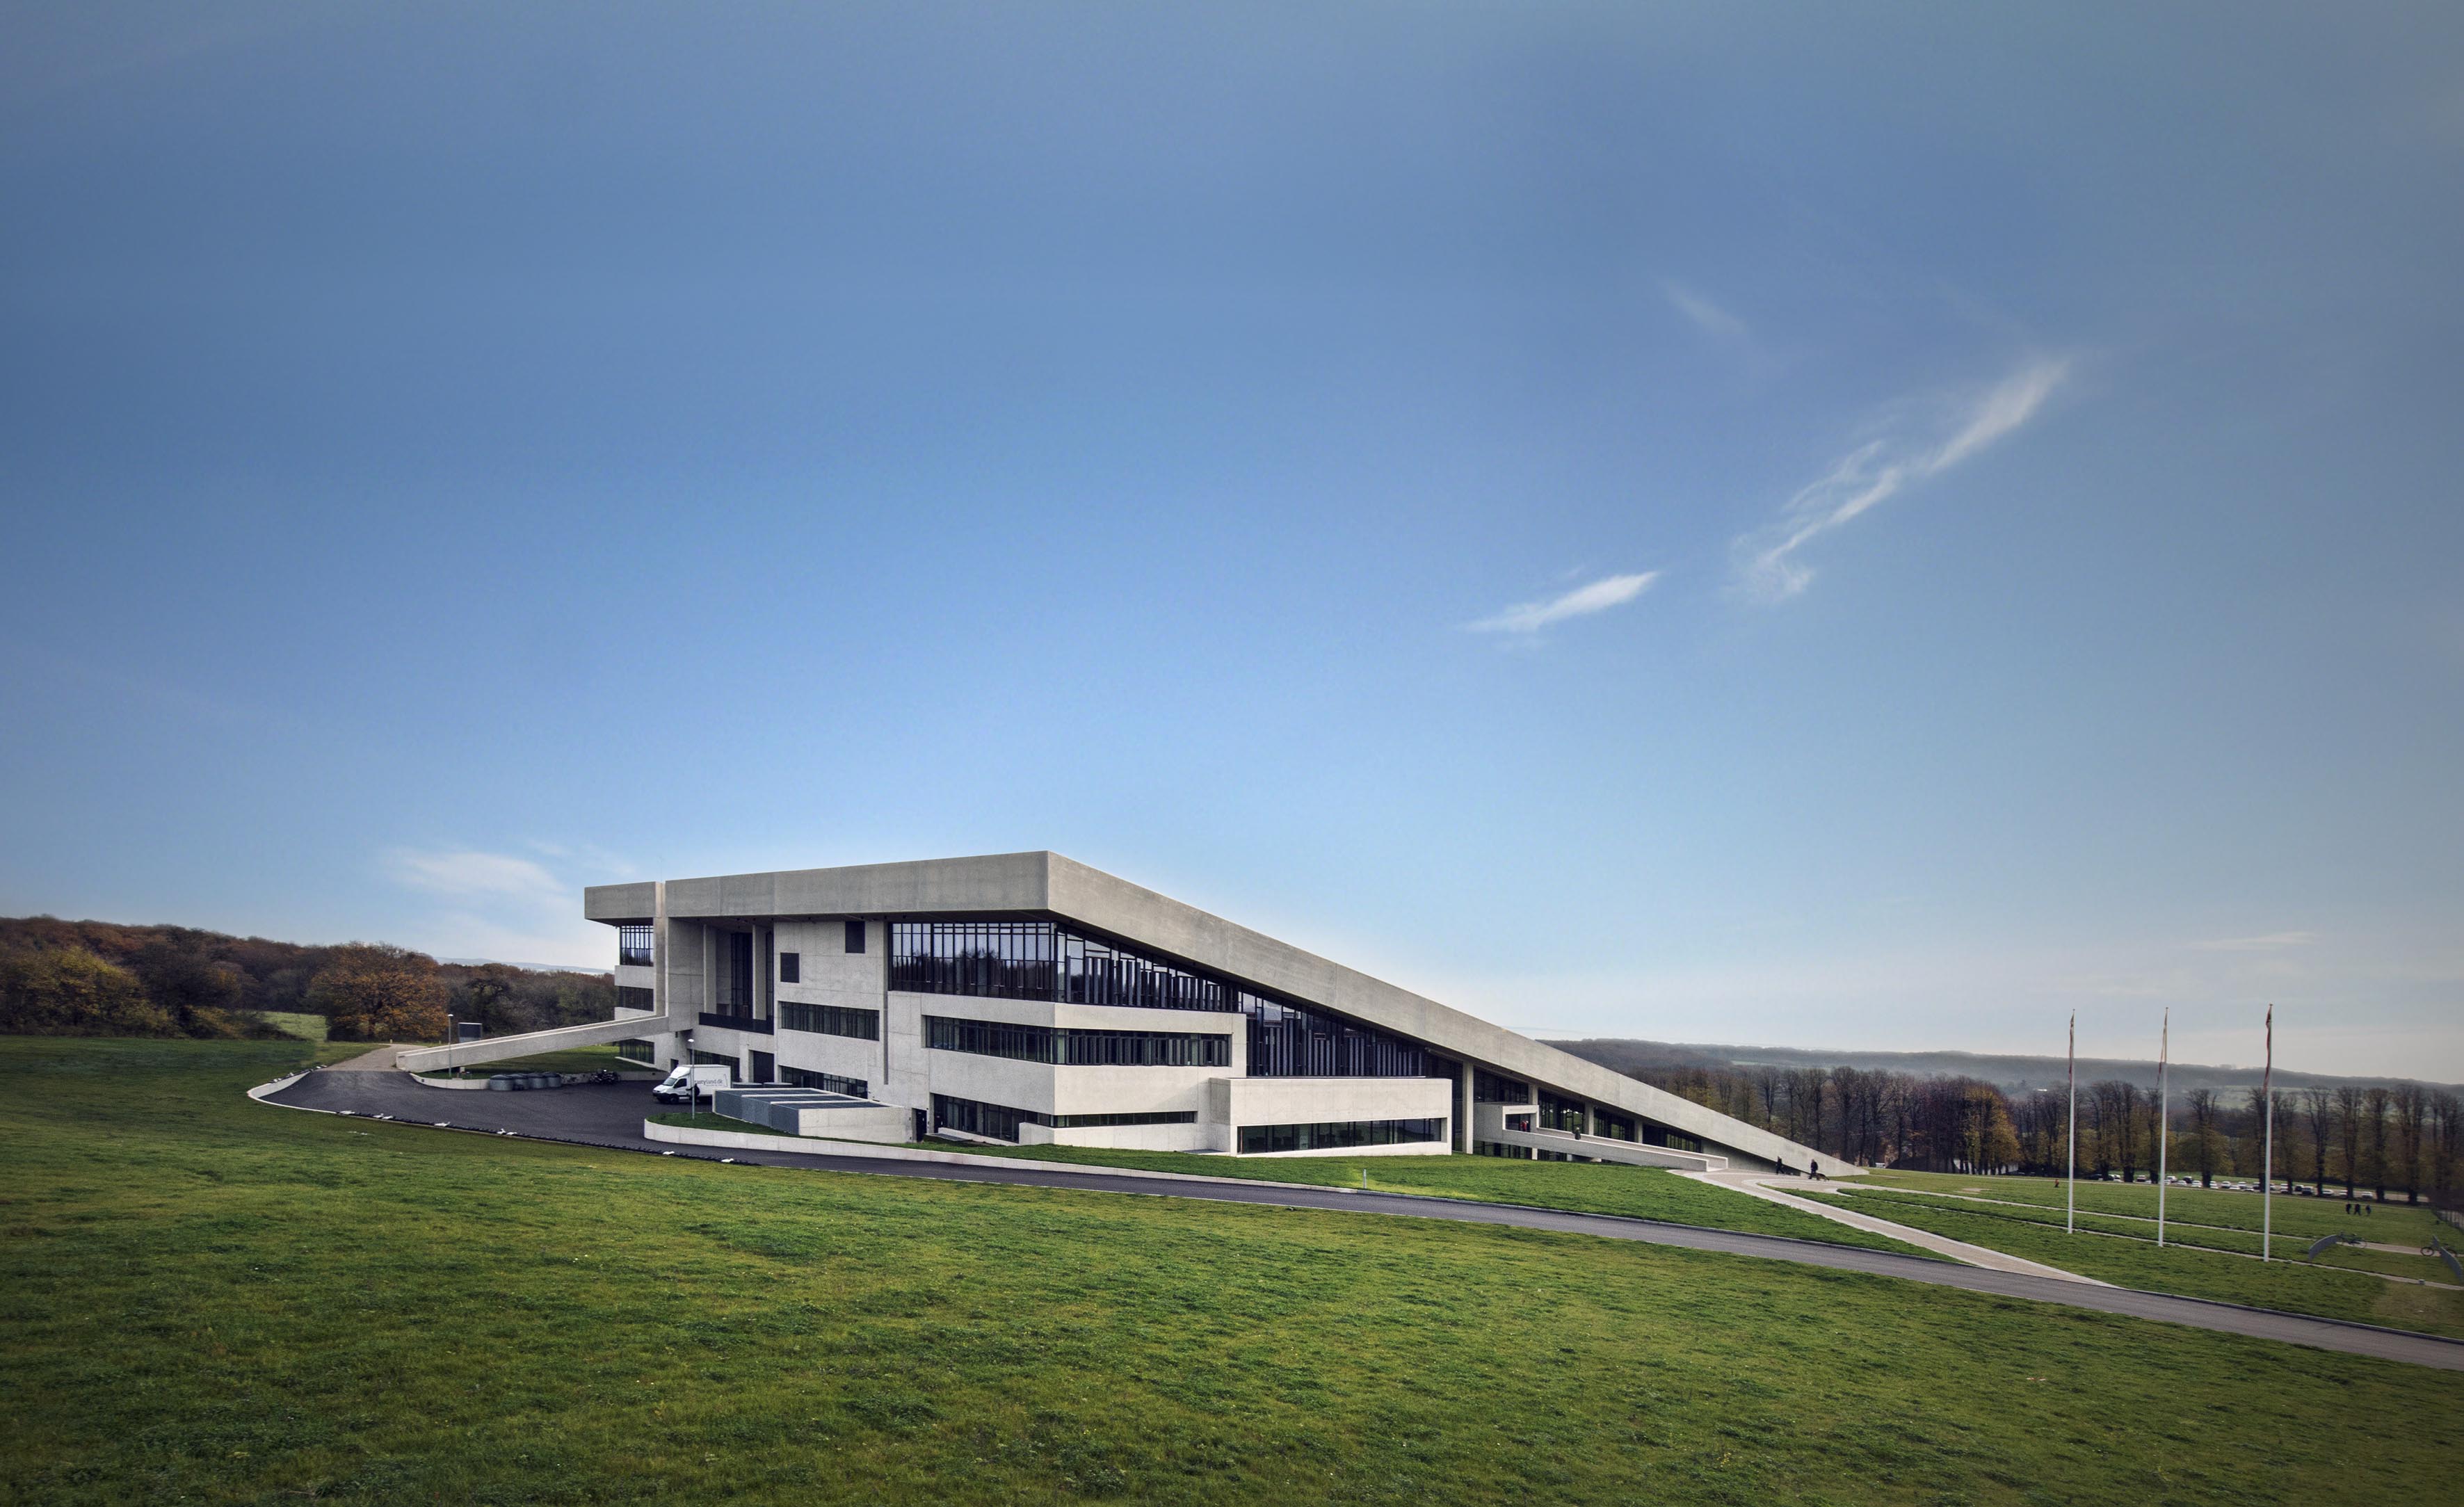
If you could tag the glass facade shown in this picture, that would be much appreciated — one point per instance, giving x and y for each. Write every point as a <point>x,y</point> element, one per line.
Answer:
<point>1561,1114</point>
<point>839,1020</point>
<point>628,997</point>
<point>1338,1135</point>
<point>1616,1127</point>
<point>633,945</point>
<point>1288,1042</point>
<point>1045,960</point>
<point>734,992</point>
<point>1039,960</point>
<point>832,1083</point>
<point>716,1060</point>
<point>638,1051</point>
<point>1488,1088</point>
<point>1076,1048</point>
<point>999,1121</point>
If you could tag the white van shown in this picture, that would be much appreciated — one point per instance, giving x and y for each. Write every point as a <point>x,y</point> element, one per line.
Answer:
<point>693,1080</point>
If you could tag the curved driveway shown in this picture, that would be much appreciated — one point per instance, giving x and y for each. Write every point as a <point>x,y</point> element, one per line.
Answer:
<point>611,1115</point>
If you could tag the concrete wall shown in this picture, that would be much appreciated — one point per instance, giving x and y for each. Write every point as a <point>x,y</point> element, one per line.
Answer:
<point>1049,884</point>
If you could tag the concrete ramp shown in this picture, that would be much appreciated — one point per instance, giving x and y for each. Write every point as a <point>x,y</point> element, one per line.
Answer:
<point>499,1049</point>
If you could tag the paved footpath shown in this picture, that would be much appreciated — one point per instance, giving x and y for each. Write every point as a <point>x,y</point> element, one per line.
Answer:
<point>611,1114</point>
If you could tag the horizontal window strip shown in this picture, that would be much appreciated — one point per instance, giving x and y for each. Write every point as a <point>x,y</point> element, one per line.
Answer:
<point>1338,1135</point>
<point>1071,1047</point>
<point>838,1020</point>
<point>828,1083</point>
<point>1001,1123</point>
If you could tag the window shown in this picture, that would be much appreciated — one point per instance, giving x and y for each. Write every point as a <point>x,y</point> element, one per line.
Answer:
<point>633,945</point>
<point>1288,1042</point>
<point>839,1020</point>
<point>791,967</point>
<point>1075,1048</point>
<point>1521,1121</point>
<point>1616,1127</point>
<point>828,1082</point>
<point>1335,1135</point>
<point>1045,960</point>
<point>1039,960</point>
<point>715,1059</point>
<point>855,936</point>
<point>1674,1140</point>
<point>1561,1114</point>
<point>1488,1088</point>
<point>628,997</point>
<point>1520,1153</point>
<point>1001,1121</point>
<point>970,1118</point>
<point>765,1067</point>
<point>736,974</point>
<point>638,1051</point>
<point>1155,1117</point>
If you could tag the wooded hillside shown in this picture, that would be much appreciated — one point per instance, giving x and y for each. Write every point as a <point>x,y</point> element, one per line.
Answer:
<point>106,978</point>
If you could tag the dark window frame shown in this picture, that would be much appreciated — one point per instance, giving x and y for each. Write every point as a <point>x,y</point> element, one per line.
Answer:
<point>791,967</point>
<point>1338,1135</point>
<point>838,1020</point>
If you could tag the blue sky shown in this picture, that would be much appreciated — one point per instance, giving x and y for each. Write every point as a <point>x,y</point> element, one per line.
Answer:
<point>1816,525</point>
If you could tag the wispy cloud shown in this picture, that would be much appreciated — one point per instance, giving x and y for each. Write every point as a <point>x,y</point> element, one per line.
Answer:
<point>1878,469</point>
<point>467,875</point>
<point>1705,314</point>
<point>2271,942</point>
<point>1531,616</point>
<point>499,905</point>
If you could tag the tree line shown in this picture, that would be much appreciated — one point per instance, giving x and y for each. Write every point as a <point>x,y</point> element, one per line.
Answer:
<point>2400,1140</point>
<point>102,978</point>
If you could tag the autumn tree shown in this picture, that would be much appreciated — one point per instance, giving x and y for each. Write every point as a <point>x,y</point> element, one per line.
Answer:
<point>70,992</point>
<point>372,992</point>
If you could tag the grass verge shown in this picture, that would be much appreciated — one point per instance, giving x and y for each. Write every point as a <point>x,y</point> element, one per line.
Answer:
<point>2131,1262</point>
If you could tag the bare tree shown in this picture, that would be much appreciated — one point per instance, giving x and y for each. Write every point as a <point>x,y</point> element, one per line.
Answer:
<point>2348,1125</point>
<point>2203,1134</point>
<point>2374,1124</point>
<point>2411,1106</point>
<point>2319,1113</point>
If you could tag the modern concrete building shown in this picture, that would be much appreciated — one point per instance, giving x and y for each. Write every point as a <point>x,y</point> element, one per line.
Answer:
<point>1026,999</point>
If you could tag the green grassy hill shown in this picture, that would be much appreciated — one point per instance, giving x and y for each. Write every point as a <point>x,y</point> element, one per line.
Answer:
<point>214,1301</point>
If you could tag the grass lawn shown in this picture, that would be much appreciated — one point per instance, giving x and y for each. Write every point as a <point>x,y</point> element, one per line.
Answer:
<point>577,1060</point>
<point>2196,1216</point>
<point>1592,1188</point>
<point>2301,1218</point>
<point>306,1027</point>
<point>213,1301</point>
<point>2134,1262</point>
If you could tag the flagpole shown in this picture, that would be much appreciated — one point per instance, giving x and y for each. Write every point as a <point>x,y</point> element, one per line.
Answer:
<point>2267,1156</point>
<point>2069,1189</point>
<point>2164,1117</point>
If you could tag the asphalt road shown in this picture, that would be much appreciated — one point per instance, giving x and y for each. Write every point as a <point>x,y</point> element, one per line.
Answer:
<point>611,1115</point>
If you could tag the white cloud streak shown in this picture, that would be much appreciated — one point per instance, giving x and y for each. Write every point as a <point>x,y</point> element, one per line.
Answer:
<point>1878,469</point>
<point>1531,616</point>
<point>467,875</point>
<point>1705,314</point>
